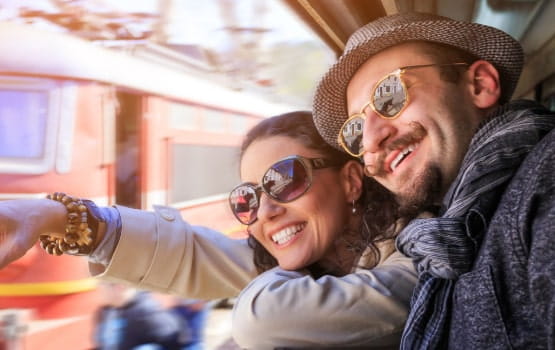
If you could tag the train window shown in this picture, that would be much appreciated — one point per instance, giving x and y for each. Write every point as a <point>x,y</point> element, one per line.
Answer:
<point>214,121</point>
<point>32,115</point>
<point>183,117</point>
<point>22,123</point>
<point>238,124</point>
<point>193,169</point>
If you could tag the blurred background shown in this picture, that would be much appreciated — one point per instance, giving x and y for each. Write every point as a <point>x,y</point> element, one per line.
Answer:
<point>247,45</point>
<point>145,102</point>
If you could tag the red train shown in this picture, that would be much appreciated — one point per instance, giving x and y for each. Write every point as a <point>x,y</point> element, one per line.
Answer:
<point>101,124</point>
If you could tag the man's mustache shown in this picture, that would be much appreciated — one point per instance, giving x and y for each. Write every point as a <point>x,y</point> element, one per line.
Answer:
<point>377,167</point>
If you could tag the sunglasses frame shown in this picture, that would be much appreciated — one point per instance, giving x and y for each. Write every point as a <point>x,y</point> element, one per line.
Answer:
<point>396,73</point>
<point>309,165</point>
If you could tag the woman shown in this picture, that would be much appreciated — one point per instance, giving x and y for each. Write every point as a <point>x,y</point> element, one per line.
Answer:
<point>322,292</point>
<point>312,250</point>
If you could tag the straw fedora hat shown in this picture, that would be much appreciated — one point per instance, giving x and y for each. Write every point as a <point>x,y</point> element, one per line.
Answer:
<point>484,42</point>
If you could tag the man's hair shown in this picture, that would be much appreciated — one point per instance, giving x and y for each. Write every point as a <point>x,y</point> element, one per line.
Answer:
<point>442,53</point>
<point>300,126</point>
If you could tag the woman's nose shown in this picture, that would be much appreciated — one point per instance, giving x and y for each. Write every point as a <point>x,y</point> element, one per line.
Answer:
<point>376,132</point>
<point>269,208</point>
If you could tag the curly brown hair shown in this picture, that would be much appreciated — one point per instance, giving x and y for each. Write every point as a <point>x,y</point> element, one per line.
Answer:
<point>380,209</point>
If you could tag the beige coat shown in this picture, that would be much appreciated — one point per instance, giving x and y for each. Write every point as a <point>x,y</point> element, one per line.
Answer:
<point>366,308</point>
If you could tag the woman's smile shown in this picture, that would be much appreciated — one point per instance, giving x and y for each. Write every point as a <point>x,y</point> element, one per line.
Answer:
<point>288,234</point>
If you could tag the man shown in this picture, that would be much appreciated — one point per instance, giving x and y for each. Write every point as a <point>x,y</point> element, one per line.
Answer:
<point>430,97</point>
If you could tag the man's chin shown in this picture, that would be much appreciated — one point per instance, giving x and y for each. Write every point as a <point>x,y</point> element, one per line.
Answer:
<point>423,194</point>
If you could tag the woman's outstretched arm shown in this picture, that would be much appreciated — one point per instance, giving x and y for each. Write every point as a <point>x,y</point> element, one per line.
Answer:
<point>155,250</point>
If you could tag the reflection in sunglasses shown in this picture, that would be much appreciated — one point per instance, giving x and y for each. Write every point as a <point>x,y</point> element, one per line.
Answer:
<point>389,96</point>
<point>274,181</point>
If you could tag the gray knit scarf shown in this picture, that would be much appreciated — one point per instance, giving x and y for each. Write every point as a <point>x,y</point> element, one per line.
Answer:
<point>443,248</point>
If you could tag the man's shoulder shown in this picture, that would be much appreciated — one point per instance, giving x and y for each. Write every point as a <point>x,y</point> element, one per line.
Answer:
<point>534,177</point>
<point>529,195</point>
<point>543,152</point>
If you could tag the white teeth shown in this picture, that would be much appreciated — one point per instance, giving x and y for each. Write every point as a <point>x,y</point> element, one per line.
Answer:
<point>397,160</point>
<point>287,234</point>
<point>395,163</point>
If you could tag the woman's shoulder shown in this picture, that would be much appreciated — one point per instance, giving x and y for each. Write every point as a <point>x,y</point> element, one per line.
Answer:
<point>387,252</point>
<point>391,259</point>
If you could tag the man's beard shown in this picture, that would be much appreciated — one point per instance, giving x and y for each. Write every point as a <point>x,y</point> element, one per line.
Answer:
<point>426,194</point>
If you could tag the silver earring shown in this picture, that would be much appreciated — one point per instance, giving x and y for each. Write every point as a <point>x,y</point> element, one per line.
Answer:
<point>354,207</point>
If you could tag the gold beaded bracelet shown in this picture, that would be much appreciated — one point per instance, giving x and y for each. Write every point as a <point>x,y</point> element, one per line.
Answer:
<point>78,238</point>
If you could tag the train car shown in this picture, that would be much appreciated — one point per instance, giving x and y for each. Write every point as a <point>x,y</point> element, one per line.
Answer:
<point>100,124</point>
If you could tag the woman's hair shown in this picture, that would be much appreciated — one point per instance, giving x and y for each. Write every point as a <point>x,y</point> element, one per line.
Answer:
<point>299,125</point>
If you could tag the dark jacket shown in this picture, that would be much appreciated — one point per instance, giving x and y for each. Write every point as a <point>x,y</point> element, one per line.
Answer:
<point>507,301</point>
<point>141,321</point>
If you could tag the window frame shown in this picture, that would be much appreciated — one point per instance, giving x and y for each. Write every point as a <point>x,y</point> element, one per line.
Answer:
<point>59,127</point>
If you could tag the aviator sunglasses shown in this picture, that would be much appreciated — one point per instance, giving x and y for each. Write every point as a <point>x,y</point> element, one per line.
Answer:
<point>285,181</point>
<point>388,99</point>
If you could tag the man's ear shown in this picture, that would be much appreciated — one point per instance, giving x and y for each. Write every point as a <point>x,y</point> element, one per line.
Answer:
<point>483,83</point>
<point>352,176</point>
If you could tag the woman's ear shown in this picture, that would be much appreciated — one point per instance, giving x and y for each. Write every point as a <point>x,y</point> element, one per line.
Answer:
<point>352,178</point>
<point>483,84</point>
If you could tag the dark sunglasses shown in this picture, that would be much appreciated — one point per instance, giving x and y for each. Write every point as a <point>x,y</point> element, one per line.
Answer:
<point>388,99</point>
<point>285,181</point>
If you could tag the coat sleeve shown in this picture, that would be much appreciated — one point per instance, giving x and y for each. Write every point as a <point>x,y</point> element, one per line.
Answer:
<point>366,309</point>
<point>160,252</point>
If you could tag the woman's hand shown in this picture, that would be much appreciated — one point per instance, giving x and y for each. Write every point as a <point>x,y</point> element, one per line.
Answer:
<point>23,221</point>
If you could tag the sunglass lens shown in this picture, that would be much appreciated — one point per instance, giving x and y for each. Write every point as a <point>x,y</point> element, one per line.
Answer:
<point>351,134</point>
<point>389,96</point>
<point>286,180</point>
<point>244,204</point>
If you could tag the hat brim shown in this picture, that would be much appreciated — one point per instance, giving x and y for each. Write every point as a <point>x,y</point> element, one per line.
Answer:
<point>484,42</point>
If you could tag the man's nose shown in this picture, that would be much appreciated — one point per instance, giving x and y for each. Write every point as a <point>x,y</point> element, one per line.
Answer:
<point>269,208</point>
<point>376,132</point>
